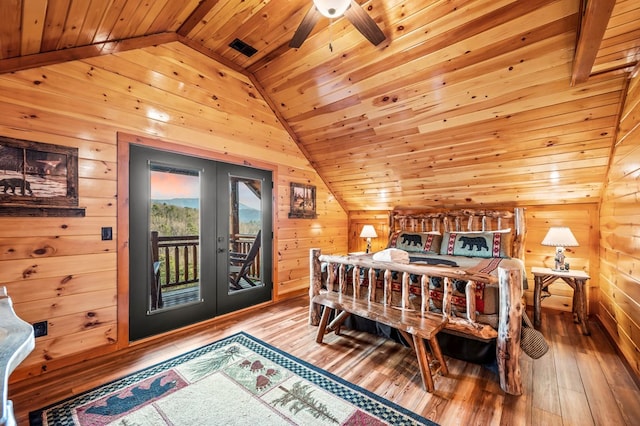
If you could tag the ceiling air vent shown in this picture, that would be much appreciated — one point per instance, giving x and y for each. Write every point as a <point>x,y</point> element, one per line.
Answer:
<point>242,47</point>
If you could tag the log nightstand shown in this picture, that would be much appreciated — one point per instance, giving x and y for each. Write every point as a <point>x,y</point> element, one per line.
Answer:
<point>576,279</point>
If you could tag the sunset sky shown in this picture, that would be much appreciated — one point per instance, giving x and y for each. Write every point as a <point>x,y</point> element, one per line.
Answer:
<point>166,186</point>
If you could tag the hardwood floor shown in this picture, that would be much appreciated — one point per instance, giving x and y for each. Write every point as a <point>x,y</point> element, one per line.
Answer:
<point>580,381</point>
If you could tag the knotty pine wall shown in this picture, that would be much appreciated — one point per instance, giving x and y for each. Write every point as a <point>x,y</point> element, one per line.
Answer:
<point>581,218</point>
<point>619,304</point>
<point>58,269</point>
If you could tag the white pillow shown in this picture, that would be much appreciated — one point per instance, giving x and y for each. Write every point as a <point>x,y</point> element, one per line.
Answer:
<point>392,255</point>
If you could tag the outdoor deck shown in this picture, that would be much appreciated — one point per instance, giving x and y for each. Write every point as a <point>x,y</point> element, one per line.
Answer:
<point>187,295</point>
<point>175,261</point>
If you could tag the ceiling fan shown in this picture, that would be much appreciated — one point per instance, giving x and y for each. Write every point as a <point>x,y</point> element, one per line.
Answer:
<point>335,9</point>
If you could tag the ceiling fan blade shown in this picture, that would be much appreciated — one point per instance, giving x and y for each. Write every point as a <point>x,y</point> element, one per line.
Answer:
<point>364,23</point>
<point>304,29</point>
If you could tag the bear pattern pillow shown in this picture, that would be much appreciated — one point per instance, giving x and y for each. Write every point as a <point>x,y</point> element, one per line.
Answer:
<point>476,244</point>
<point>417,242</point>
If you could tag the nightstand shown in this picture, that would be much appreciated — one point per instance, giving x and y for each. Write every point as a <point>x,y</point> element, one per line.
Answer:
<point>577,280</point>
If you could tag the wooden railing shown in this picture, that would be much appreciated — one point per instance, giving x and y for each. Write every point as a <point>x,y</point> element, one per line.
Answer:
<point>178,257</point>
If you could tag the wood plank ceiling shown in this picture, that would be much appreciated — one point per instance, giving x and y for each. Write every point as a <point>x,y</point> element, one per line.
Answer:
<point>464,103</point>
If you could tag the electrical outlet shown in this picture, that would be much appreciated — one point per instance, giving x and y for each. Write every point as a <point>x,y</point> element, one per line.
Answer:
<point>40,328</point>
<point>107,233</point>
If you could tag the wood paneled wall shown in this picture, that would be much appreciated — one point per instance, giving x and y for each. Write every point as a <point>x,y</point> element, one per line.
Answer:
<point>581,218</point>
<point>58,269</point>
<point>620,235</point>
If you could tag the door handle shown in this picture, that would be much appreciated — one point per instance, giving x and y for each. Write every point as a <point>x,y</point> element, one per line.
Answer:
<point>221,250</point>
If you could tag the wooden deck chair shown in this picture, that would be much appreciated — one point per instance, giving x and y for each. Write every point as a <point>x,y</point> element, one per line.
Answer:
<point>156,288</point>
<point>240,264</point>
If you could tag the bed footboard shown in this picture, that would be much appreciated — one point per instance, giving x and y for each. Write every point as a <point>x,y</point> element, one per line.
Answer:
<point>510,311</point>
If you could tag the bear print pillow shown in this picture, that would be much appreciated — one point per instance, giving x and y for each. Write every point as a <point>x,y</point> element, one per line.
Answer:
<point>416,242</point>
<point>476,244</point>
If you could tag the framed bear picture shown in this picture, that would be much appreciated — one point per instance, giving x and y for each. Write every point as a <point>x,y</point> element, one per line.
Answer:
<point>38,179</point>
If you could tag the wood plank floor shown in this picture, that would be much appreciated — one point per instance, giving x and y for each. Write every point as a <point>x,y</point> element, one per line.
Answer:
<point>580,381</point>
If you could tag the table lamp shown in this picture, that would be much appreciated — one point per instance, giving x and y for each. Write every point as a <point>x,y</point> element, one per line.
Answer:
<point>368,232</point>
<point>560,237</point>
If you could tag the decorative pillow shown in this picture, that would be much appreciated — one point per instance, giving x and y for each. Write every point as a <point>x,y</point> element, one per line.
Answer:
<point>476,244</point>
<point>392,255</point>
<point>417,242</point>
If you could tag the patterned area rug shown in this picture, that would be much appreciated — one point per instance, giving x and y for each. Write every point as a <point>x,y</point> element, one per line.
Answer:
<point>239,380</point>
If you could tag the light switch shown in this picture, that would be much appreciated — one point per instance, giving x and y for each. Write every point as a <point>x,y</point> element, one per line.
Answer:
<point>107,233</point>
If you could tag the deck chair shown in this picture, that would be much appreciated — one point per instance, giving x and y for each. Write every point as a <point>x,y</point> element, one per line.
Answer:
<point>156,288</point>
<point>240,264</point>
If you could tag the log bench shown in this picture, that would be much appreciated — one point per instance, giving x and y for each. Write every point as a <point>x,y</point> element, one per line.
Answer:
<point>412,326</point>
<point>332,291</point>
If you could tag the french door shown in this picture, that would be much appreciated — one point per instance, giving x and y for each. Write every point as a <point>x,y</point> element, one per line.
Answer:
<point>199,239</point>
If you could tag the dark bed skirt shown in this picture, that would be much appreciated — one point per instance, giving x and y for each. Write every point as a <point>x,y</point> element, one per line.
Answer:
<point>452,345</point>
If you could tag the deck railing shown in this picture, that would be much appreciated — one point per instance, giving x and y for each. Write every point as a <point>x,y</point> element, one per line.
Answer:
<point>178,257</point>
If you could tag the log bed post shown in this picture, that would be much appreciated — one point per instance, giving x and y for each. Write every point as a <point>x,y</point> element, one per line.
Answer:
<point>315,272</point>
<point>509,328</point>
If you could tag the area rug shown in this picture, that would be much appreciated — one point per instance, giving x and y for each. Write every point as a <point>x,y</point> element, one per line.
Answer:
<point>239,380</point>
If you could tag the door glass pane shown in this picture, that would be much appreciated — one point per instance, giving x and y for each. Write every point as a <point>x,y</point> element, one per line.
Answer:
<point>174,237</point>
<point>245,228</point>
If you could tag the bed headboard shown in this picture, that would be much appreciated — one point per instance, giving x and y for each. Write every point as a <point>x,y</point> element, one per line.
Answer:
<point>463,220</point>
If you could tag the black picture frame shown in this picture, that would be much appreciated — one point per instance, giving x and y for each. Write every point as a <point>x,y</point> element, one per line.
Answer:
<point>303,201</point>
<point>38,179</point>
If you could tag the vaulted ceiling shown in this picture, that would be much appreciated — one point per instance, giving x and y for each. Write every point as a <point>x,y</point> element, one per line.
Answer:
<point>465,102</point>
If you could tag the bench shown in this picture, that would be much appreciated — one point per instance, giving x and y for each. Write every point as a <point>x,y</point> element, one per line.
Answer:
<point>412,326</point>
<point>392,303</point>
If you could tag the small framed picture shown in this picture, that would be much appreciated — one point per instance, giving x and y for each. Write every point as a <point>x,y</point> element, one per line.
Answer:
<point>303,201</point>
<point>38,179</point>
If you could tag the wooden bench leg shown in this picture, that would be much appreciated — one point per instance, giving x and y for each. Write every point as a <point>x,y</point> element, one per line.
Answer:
<point>423,363</point>
<point>437,354</point>
<point>326,313</point>
<point>408,338</point>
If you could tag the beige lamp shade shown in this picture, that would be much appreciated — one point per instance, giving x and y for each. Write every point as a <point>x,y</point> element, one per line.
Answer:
<point>368,231</point>
<point>560,236</point>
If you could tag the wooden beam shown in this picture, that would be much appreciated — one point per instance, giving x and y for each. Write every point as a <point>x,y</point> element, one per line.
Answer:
<point>81,52</point>
<point>196,16</point>
<point>593,25</point>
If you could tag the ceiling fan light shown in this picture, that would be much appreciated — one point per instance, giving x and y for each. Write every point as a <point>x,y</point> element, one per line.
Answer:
<point>332,8</point>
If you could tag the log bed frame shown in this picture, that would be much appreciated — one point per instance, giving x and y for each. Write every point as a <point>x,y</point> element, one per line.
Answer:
<point>335,293</point>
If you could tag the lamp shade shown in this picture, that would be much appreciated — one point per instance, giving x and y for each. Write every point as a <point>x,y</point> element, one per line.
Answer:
<point>332,8</point>
<point>368,231</point>
<point>560,236</point>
